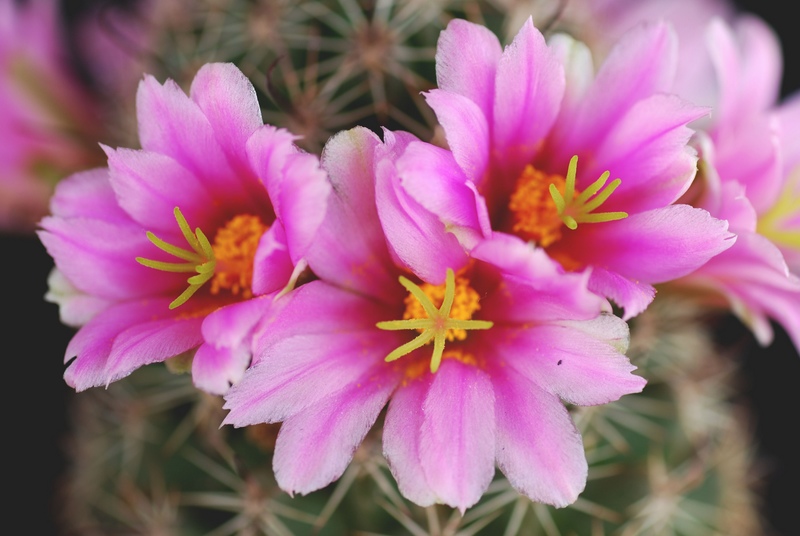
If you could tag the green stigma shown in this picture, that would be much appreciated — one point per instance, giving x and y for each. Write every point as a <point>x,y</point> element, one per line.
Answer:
<point>574,210</point>
<point>201,260</point>
<point>435,326</point>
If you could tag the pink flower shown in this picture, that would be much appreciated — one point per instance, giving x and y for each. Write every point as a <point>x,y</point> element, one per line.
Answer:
<point>475,365</point>
<point>750,177</point>
<point>587,166</point>
<point>46,115</point>
<point>214,195</point>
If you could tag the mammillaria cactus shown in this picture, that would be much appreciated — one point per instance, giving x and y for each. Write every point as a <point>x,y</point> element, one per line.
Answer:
<point>453,268</point>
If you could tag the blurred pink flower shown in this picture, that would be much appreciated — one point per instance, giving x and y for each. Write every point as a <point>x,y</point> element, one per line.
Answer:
<point>750,176</point>
<point>214,194</point>
<point>48,123</point>
<point>512,337</point>
<point>537,133</point>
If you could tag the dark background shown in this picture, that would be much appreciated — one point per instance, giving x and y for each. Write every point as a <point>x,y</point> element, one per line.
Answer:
<point>36,397</point>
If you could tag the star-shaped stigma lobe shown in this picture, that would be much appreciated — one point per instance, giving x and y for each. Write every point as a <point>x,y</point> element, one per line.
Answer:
<point>433,328</point>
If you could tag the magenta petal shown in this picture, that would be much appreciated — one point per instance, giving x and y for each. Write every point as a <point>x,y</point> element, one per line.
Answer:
<point>315,446</point>
<point>214,370</point>
<point>91,345</point>
<point>653,246</point>
<point>350,249</point>
<point>232,325</point>
<point>154,341</point>
<point>457,438</point>
<point>578,367</point>
<point>538,447</point>
<point>466,130</point>
<point>401,440</point>
<point>466,61</point>
<point>530,86</point>
<point>228,100</point>
<point>172,124</point>
<point>272,265</point>
<point>149,186</point>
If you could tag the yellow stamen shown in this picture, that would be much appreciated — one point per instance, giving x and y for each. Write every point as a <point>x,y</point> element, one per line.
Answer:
<point>574,210</point>
<point>777,223</point>
<point>201,260</point>
<point>228,264</point>
<point>436,326</point>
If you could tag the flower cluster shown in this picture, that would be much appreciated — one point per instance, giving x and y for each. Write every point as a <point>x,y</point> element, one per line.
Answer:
<point>462,293</point>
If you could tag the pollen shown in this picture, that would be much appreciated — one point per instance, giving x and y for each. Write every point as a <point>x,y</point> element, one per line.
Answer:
<point>235,247</point>
<point>465,302</point>
<point>438,321</point>
<point>535,215</point>
<point>543,203</point>
<point>228,264</point>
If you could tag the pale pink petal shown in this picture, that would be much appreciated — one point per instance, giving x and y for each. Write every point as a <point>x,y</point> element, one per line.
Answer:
<point>466,61</point>
<point>214,370</point>
<point>350,249</point>
<point>457,437</point>
<point>75,308</point>
<point>233,324</point>
<point>538,447</point>
<point>466,129</point>
<point>789,120</point>
<point>402,427</point>
<point>315,446</point>
<point>529,88</point>
<point>578,367</point>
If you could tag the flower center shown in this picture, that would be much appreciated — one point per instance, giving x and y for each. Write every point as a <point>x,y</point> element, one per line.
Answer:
<point>781,224</point>
<point>541,203</point>
<point>228,264</point>
<point>447,322</point>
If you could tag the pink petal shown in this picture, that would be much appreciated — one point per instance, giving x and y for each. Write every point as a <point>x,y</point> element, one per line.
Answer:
<point>466,60</point>
<point>578,367</point>
<point>214,370</point>
<point>789,118</point>
<point>538,447</point>
<point>350,249</point>
<point>633,296</point>
<point>74,307</point>
<point>647,150</point>
<point>87,194</point>
<point>457,437</point>
<point>91,346</point>
<point>433,179</point>
<point>155,341</point>
<point>228,100</point>
<point>232,325</point>
<point>641,64</point>
<point>149,186</point>
<point>401,440</point>
<point>315,446</point>
<point>653,246</point>
<point>466,129</point>
<point>530,86</point>
<point>272,265</point>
